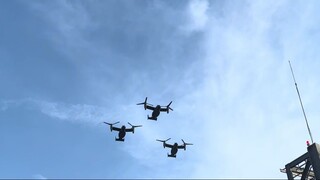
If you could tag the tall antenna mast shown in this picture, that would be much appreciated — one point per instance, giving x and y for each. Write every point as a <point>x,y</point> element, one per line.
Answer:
<point>304,113</point>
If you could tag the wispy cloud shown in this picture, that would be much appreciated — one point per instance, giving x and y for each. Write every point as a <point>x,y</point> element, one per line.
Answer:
<point>79,113</point>
<point>69,27</point>
<point>248,97</point>
<point>5,104</point>
<point>229,80</point>
<point>197,15</point>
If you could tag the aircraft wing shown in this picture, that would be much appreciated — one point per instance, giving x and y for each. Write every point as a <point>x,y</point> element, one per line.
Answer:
<point>181,147</point>
<point>164,109</point>
<point>129,130</point>
<point>116,129</point>
<point>168,145</point>
<point>150,107</point>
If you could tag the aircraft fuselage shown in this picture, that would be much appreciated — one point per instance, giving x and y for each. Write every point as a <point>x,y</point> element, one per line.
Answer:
<point>174,150</point>
<point>121,134</point>
<point>155,113</point>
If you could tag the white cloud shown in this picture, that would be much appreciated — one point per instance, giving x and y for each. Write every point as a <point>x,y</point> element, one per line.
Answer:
<point>245,116</point>
<point>6,104</point>
<point>78,113</point>
<point>197,15</point>
<point>251,114</point>
<point>69,23</point>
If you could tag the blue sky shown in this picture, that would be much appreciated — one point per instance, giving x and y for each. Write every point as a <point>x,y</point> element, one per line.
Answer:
<point>67,66</point>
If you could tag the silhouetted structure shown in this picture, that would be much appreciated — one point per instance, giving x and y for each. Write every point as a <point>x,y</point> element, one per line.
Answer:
<point>307,166</point>
<point>122,130</point>
<point>155,110</point>
<point>174,147</point>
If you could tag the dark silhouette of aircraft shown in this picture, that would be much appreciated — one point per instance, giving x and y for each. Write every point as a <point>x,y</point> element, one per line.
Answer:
<point>155,110</point>
<point>122,130</point>
<point>174,147</point>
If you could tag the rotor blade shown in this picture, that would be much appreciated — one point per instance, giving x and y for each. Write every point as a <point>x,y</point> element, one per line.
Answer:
<point>112,123</point>
<point>134,126</point>
<point>169,104</point>
<point>186,143</point>
<point>137,126</point>
<point>107,123</point>
<point>163,140</point>
<point>167,107</point>
<point>145,102</point>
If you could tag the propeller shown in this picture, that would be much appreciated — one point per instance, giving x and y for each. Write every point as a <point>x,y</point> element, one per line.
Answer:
<point>164,141</point>
<point>111,124</point>
<point>134,126</point>
<point>169,108</point>
<point>185,144</point>
<point>144,103</point>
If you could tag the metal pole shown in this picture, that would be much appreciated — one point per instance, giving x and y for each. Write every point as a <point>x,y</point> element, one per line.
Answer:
<point>305,117</point>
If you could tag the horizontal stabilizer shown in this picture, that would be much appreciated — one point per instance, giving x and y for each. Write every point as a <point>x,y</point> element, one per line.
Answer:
<point>170,155</point>
<point>118,139</point>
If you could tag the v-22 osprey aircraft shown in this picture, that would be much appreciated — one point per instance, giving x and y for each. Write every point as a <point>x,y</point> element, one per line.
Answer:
<point>155,109</point>
<point>122,131</point>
